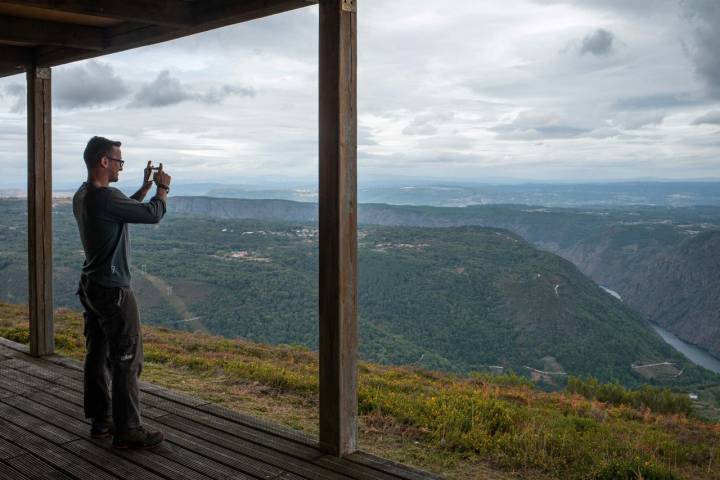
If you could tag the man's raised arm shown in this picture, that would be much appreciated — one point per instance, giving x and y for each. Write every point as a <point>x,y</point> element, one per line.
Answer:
<point>129,210</point>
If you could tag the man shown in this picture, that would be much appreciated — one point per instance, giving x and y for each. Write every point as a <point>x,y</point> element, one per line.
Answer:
<point>112,322</point>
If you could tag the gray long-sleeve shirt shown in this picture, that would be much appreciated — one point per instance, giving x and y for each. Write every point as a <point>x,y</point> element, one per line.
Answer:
<point>102,215</point>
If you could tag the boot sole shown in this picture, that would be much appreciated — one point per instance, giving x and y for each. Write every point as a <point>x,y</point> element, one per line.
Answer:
<point>137,447</point>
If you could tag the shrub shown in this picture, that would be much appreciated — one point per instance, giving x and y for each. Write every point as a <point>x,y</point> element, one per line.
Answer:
<point>19,335</point>
<point>633,470</point>
<point>656,399</point>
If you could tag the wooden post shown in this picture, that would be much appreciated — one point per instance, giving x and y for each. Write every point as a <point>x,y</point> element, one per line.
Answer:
<point>39,194</point>
<point>338,227</point>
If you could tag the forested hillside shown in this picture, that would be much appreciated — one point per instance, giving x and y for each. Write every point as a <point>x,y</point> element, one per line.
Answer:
<point>456,299</point>
<point>662,260</point>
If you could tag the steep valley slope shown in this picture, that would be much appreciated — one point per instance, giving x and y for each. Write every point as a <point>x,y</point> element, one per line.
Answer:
<point>674,283</point>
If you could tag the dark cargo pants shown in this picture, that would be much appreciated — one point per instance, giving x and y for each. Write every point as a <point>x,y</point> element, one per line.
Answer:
<point>114,354</point>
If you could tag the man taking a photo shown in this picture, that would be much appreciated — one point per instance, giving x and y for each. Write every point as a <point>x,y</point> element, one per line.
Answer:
<point>112,323</point>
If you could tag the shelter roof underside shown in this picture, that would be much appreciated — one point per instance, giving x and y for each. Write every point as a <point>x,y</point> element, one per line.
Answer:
<point>55,32</point>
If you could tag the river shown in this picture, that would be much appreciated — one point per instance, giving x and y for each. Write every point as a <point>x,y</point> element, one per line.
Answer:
<point>693,353</point>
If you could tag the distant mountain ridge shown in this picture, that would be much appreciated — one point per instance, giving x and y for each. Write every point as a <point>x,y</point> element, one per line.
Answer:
<point>458,193</point>
<point>272,209</point>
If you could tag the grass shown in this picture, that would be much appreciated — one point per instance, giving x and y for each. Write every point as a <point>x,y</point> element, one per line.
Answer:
<point>462,427</point>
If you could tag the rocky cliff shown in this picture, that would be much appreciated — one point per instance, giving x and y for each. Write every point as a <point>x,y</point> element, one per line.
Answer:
<point>675,285</point>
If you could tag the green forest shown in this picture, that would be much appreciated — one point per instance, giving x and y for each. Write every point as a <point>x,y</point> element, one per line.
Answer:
<point>458,299</point>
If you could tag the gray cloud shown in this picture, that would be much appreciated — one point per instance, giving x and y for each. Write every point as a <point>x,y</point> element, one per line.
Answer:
<point>704,44</point>
<point>641,8</point>
<point>426,123</point>
<point>16,91</point>
<point>447,143</point>
<point>635,120</point>
<point>710,118</point>
<point>161,92</point>
<point>298,38</point>
<point>166,90</point>
<point>559,131</point>
<point>13,129</point>
<point>218,94</point>
<point>418,159</point>
<point>649,102</point>
<point>88,85</point>
<point>605,132</point>
<point>366,136</point>
<point>530,125</point>
<point>513,67</point>
<point>598,43</point>
<point>420,129</point>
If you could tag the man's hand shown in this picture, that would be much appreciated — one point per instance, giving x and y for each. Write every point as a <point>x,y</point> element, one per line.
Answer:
<point>147,182</point>
<point>162,179</point>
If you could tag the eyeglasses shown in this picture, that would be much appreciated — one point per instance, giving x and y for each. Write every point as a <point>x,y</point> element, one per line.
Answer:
<point>122,162</point>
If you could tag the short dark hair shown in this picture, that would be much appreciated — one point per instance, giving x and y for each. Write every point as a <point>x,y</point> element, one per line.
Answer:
<point>97,148</point>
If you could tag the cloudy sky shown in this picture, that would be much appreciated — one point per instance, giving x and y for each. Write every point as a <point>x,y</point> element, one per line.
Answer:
<point>469,89</point>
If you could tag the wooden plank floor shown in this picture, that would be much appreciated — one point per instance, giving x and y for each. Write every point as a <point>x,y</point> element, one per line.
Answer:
<point>44,435</point>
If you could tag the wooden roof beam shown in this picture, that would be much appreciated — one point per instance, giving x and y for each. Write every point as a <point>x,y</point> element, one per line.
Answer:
<point>14,60</point>
<point>219,13</point>
<point>6,71</point>
<point>175,13</point>
<point>209,15</point>
<point>15,56</point>
<point>38,32</point>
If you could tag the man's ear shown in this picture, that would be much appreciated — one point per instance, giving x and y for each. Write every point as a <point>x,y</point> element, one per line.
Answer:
<point>104,162</point>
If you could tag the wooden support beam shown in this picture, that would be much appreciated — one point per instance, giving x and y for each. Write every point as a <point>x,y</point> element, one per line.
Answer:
<point>39,195</point>
<point>338,227</point>
<point>176,13</point>
<point>132,35</point>
<point>38,32</point>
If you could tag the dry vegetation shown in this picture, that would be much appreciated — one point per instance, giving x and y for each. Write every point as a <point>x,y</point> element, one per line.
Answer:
<point>461,427</point>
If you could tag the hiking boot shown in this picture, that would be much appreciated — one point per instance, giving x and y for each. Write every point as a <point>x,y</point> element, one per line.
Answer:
<point>137,438</point>
<point>101,427</point>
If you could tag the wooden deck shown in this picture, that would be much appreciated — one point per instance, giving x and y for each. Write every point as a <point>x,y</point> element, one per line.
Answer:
<point>44,435</point>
